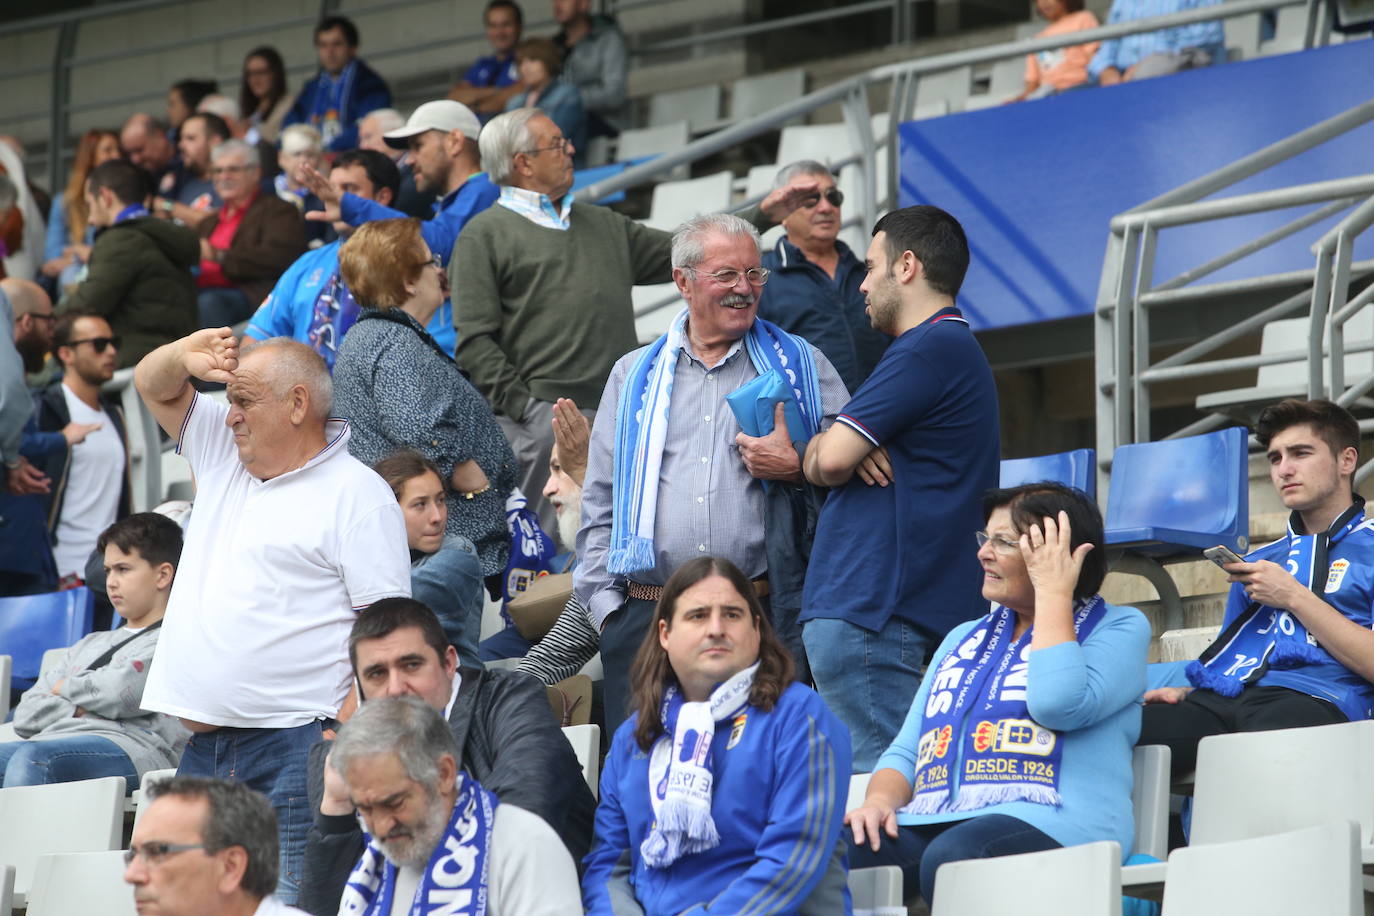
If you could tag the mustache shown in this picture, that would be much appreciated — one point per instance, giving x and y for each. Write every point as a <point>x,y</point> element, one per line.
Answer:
<point>737,301</point>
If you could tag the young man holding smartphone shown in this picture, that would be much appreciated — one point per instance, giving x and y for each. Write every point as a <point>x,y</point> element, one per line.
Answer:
<point>1296,646</point>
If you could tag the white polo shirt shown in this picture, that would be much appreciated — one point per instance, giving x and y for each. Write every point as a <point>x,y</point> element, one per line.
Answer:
<point>271,577</point>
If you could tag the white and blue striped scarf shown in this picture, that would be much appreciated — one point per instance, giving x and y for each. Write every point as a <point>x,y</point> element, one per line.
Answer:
<point>641,427</point>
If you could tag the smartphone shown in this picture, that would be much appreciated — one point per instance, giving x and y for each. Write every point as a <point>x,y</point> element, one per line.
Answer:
<point>1222,555</point>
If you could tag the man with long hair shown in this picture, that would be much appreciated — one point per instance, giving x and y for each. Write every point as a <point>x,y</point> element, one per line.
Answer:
<point>721,733</point>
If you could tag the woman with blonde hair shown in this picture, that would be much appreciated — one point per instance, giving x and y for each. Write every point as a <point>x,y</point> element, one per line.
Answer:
<point>69,238</point>
<point>400,390</point>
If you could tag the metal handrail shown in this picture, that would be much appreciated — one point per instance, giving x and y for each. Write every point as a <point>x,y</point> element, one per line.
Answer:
<point>745,130</point>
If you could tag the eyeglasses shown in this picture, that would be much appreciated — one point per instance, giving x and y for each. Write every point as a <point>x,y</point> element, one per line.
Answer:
<point>999,543</point>
<point>97,343</point>
<point>229,169</point>
<point>155,851</point>
<point>757,276</point>
<point>37,317</point>
<point>559,143</point>
<point>438,264</point>
<point>833,195</point>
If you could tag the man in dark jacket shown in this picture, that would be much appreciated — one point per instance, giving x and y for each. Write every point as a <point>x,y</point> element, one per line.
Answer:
<point>813,290</point>
<point>505,730</point>
<point>248,244</point>
<point>343,91</point>
<point>139,277</point>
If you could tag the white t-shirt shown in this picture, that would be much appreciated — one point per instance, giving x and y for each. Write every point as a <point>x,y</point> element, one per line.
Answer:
<point>94,479</point>
<point>271,576</point>
<point>531,872</point>
<point>271,906</point>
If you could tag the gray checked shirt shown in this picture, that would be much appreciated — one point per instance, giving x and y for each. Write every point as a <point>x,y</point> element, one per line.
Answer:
<point>707,502</point>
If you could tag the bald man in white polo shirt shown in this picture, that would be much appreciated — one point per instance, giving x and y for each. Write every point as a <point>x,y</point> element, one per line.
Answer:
<point>290,537</point>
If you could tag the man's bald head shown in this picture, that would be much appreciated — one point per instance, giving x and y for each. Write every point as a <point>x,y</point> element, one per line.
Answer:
<point>33,320</point>
<point>287,363</point>
<point>26,297</point>
<point>278,402</point>
<point>144,140</point>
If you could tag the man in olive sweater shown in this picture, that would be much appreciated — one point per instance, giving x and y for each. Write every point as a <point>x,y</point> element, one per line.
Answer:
<point>541,287</point>
<point>139,278</point>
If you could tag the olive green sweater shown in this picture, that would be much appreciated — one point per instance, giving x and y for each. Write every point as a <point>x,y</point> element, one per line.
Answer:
<point>545,313</point>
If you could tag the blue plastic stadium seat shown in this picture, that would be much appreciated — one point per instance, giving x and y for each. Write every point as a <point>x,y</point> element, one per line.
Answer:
<point>1179,496</point>
<point>584,177</point>
<point>1076,469</point>
<point>32,624</point>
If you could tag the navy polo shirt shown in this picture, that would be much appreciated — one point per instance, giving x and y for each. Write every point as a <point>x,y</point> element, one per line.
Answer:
<point>907,549</point>
<point>802,298</point>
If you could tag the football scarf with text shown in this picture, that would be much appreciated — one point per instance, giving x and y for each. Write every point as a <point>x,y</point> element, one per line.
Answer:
<point>1263,638</point>
<point>455,878</point>
<point>977,708</point>
<point>680,775</point>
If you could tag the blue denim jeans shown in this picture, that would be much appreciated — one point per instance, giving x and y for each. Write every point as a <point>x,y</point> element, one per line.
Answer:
<point>868,679</point>
<point>37,763</point>
<point>220,307</point>
<point>920,851</point>
<point>273,762</point>
<point>449,581</point>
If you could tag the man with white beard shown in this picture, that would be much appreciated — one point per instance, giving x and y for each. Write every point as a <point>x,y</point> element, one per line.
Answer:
<point>435,836</point>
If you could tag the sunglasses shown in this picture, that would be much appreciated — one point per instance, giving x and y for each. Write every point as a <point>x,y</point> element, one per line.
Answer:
<point>833,195</point>
<point>97,343</point>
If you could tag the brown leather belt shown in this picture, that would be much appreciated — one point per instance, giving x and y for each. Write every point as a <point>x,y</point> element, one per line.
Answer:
<point>654,592</point>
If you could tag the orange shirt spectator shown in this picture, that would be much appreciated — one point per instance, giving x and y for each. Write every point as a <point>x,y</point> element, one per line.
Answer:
<point>1062,68</point>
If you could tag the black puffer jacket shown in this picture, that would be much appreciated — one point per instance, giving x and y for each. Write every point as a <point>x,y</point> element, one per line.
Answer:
<point>508,740</point>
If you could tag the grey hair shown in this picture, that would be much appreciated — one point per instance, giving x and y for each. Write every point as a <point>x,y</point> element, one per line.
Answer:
<point>294,363</point>
<point>387,119</point>
<point>405,726</point>
<point>236,147</point>
<point>503,137</point>
<point>800,167</point>
<point>238,817</point>
<point>689,242</point>
<point>313,141</point>
<point>9,193</point>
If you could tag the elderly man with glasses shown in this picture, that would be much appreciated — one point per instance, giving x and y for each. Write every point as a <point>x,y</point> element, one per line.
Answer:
<point>671,474</point>
<point>205,847</point>
<point>248,244</point>
<point>814,287</point>
<point>541,287</point>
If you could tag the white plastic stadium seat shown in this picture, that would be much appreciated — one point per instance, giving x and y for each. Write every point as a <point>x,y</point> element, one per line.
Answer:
<point>877,891</point>
<point>140,796</point>
<point>948,86</point>
<point>1309,871</point>
<point>1150,799</point>
<point>755,95</point>
<point>6,670</point>
<point>649,327</point>
<point>652,141</point>
<point>586,743</point>
<point>1305,776</point>
<point>89,883</point>
<point>858,789</point>
<point>699,106</point>
<point>675,202</point>
<point>6,889</point>
<point>1073,881</point>
<point>85,816</point>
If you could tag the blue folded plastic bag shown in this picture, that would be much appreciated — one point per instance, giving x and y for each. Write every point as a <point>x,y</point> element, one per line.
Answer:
<point>755,402</point>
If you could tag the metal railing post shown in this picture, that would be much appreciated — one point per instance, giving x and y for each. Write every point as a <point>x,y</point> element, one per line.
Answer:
<point>61,100</point>
<point>1141,333</point>
<point>1321,292</point>
<point>1124,324</point>
<point>860,128</point>
<point>1340,293</point>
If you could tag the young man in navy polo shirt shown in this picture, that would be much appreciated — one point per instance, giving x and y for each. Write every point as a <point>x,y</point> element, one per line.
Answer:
<point>908,460</point>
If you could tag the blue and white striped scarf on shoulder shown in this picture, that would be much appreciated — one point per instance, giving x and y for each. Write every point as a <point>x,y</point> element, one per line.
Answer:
<point>641,427</point>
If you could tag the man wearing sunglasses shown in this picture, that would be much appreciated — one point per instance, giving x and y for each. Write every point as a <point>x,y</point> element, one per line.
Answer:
<point>813,289</point>
<point>205,847</point>
<point>90,488</point>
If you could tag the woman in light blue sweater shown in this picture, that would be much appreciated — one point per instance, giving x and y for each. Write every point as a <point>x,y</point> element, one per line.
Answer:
<point>1021,734</point>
